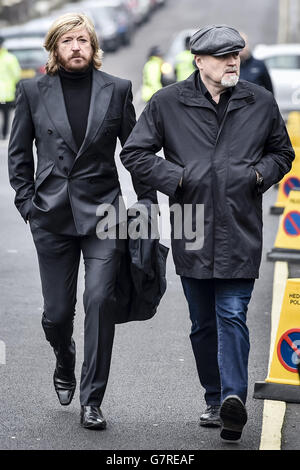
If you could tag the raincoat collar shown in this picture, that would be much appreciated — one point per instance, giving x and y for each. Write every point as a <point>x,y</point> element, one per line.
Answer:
<point>190,95</point>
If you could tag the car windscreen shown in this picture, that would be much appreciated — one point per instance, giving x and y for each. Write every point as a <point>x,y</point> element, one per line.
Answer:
<point>102,14</point>
<point>287,61</point>
<point>30,56</point>
<point>177,46</point>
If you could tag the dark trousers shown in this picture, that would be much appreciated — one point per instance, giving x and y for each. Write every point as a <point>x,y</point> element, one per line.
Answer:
<point>58,257</point>
<point>219,334</point>
<point>5,109</point>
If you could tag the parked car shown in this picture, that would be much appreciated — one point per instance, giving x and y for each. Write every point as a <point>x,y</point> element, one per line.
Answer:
<point>177,45</point>
<point>30,53</point>
<point>145,9</point>
<point>106,28</point>
<point>157,3</point>
<point>105,25</point>
<point>140,9</point>
<point>33,28</point>
<point>283,63</point>
<point>120,13</point>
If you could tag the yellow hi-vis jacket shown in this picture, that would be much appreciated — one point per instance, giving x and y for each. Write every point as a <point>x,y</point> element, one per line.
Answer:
<point>10,74</point>
<point>184,66</point>
<point>151,77</point>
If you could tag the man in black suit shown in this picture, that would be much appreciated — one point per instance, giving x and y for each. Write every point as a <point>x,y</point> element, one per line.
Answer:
<point>74,113</point>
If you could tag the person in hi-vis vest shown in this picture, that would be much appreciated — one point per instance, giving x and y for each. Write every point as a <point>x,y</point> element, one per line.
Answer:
<point>184,63</point>
<point>152,74</point>
<point>10,74</point>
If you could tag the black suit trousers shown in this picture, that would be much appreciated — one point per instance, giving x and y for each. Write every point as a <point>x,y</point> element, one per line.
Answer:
<point>59,259</point>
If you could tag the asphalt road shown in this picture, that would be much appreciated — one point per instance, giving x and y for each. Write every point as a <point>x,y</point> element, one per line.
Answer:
<point>153,399</point>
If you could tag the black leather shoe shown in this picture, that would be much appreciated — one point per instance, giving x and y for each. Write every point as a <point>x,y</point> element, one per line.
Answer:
<point>233,415</point>
<point>64,378</point>
<point>64,387</point>
<point>91,417</point>
<point>211,417</point>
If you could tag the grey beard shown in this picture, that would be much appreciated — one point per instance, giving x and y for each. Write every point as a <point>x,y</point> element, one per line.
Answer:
<point>229,82</point>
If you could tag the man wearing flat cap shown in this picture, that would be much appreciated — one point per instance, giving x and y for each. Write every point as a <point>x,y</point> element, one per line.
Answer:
<point>225,144</point>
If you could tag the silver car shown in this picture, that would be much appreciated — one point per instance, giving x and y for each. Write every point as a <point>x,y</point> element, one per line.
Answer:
<point>30,53</point>
<point>283,63</point>
<point>177,45</point>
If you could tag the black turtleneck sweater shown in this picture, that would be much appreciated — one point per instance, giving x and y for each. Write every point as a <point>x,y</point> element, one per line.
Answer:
<point>223,102</point>
<point>76,88</point>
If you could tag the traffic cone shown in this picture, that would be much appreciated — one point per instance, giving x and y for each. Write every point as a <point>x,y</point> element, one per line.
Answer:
<point>287,243</point>
<point>290,181</point>
<point>293,128</point>
<point>283,380</point>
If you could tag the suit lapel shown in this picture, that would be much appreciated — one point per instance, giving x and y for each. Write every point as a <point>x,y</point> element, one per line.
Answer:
<point>52,93</point>
<point>100,98</point>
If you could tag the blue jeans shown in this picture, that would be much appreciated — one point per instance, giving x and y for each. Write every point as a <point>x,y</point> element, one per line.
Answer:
<point>219,334</point>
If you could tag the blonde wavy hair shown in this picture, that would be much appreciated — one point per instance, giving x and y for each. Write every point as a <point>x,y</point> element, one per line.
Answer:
<point>64,24</point>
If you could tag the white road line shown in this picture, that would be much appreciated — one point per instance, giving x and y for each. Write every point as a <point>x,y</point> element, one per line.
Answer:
<point>274,411</point>
<point>2,352</point>
<point>273,417</point>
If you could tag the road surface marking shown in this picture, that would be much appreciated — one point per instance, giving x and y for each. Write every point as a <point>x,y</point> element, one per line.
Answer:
<point>2,352</point>
<point>274,411</point>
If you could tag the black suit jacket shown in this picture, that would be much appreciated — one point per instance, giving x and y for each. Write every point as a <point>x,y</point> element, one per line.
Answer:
<point>68,184</point>
<point>141,280</point>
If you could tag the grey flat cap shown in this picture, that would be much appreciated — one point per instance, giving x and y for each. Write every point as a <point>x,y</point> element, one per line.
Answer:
<point>216,40</point>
